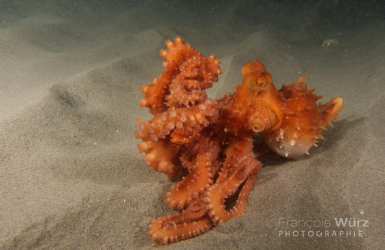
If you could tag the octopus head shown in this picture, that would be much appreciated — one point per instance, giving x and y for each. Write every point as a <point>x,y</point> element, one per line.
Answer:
<point>258,83</point>
<point>255,76</point>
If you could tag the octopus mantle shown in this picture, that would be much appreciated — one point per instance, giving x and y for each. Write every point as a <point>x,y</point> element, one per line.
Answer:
<point>209,142</point>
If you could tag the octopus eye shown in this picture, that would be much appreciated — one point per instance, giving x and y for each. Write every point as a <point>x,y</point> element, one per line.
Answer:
<point>261,81</point>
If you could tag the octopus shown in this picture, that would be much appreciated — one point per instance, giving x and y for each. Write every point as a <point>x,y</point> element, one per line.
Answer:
<point>208,143</point>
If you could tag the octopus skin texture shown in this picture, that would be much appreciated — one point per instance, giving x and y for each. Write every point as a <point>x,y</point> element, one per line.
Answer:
<point>209,142</point>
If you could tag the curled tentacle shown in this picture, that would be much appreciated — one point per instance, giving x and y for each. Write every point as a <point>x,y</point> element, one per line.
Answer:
<point>180,126</point>
<point>196,74</point>
<point>181,123</point>
<point>159,154</point>
<point>187,73</point>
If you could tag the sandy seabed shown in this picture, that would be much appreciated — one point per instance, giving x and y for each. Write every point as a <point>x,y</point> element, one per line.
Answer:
<point>70,77</point>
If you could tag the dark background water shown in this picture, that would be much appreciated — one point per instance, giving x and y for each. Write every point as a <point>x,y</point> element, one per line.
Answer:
<point>329,15</point>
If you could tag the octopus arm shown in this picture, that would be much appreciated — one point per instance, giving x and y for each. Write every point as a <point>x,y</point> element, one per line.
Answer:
<point>187,224</point>
<point>185,70</point>
<point>199,178</point>
<point>159,155</point>
<point>229,182</point>
<point>330,110</point>
<point>180,123</point>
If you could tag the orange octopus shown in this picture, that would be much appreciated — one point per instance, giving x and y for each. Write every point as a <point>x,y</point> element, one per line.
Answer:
<point>210,142</point>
